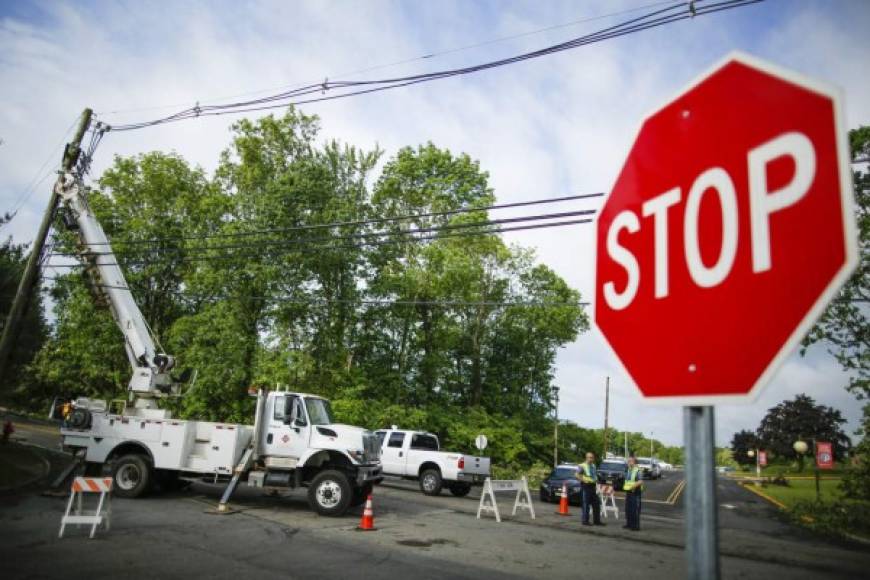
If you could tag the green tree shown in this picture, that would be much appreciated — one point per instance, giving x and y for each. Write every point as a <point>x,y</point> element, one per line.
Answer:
<point>856,479</point>
<point>802,419</point>
<point>20,381</point>
<point>741,444</point>
<point>844,326</point>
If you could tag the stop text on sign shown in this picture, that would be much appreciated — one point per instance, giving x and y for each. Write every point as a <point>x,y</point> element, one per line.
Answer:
<point>763,202</point>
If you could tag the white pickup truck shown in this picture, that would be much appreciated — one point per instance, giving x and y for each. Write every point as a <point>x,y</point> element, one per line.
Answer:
<point>418,455</point>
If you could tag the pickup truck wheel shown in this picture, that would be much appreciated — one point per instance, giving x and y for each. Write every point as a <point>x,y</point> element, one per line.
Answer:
<point>430,482</point>
<point>460,489</point>
<point>330,493</point>
<point>131,476</point>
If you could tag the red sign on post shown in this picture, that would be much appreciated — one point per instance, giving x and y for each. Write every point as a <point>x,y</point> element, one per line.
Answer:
<point>762,458</point>
<point>824,455</point>
<point>727,232</point>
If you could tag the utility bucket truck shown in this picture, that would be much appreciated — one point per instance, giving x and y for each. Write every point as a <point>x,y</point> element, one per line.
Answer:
<point>294,441</point>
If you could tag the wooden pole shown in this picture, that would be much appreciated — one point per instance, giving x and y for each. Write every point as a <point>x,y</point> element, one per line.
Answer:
<point>12,328</point>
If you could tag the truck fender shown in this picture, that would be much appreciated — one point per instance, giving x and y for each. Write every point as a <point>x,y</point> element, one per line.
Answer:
<point>316,457</point>
<point>130,448</point>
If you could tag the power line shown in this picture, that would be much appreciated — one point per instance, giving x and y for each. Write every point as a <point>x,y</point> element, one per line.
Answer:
<point>259,244</point>
<point>31,188</point>
<point>362,301</point>
<point>259,253</point>
<point>427,56</point>
<point>650,20</point>
<point>362,222</point>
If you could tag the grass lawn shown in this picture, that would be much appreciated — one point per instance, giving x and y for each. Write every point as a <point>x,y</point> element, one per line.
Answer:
<point>804,490</point>
<point>788,471</point>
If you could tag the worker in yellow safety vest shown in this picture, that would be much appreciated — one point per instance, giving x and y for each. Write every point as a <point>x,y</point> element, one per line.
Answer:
<point>633,487</point>
<point>587,473</point>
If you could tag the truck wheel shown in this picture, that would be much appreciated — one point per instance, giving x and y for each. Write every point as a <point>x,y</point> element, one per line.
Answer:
<point>460,489</point>
<point>131,476</point>
<point>360,494</point>
<point>330,493</point>
<point>430,482</point>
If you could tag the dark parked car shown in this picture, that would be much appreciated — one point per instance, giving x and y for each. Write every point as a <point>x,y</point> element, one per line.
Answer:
<point>551,487</point>
<point>612,472</point>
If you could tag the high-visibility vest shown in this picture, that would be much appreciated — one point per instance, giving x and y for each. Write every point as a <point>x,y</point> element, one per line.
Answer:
<point>632,480</point>
<point>588,473</point>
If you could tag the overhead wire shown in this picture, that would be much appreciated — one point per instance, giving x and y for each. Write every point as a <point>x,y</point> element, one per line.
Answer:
<point>360,222</point>
<point>259,244</point>
<point>427,56</point>
<point>258,252</point>
<point>281,100</point>
<point>363,301</point>
<point>31,188</point>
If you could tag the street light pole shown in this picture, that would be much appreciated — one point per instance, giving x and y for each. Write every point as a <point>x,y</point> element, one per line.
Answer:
<point>651,433</point>
<point>556,427</point>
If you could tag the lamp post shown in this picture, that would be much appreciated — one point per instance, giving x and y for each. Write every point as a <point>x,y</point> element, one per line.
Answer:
<point>754,453</point>
<point>801,447</point>
<point>556,426</point>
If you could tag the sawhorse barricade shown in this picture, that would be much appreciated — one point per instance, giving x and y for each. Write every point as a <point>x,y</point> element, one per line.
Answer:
<point>81,486</point>
<point>491,486</point>
<point>608,500</point>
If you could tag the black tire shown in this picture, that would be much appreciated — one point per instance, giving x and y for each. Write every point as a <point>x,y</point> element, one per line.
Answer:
<point>131,476</point>
<point>430,482</point>
<point>330,493</point>
<point>460,489</point>
<point>360,494</point>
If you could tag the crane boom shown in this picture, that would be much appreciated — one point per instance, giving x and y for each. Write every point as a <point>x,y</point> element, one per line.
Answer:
<point>150,367</point>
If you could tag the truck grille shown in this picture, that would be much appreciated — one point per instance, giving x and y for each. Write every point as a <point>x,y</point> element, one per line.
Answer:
<point>371,449</point>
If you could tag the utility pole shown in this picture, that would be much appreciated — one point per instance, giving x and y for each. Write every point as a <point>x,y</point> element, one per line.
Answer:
<point>12,328</point>
<point>606,413</point>
<point>626,445</point>
<point>556,427</point>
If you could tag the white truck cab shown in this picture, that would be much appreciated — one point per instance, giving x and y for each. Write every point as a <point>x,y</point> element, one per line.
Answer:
<point>417,455</point>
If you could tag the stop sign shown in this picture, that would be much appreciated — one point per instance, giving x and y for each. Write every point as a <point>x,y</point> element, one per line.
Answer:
<point>727,232</point>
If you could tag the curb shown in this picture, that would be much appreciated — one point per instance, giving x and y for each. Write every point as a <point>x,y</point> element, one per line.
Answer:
<point>46,470</point>
<point>762,495</point>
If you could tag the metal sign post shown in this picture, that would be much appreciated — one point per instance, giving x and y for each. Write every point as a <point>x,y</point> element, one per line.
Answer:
<point>702,532</point>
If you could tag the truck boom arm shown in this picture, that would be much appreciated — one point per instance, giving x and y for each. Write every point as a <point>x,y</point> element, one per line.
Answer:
<point>150,367</point>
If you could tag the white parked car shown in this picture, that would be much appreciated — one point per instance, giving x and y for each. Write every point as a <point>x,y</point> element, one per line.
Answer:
<point>417,455</point>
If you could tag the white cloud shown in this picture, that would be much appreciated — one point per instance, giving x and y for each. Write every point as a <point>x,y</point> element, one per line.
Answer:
<point>548,127</point>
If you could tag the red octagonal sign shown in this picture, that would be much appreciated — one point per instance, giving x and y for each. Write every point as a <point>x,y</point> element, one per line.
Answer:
<point>729,229</point>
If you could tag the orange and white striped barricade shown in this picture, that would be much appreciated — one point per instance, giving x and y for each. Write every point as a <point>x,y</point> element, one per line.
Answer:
<point>81,486</point>
<point>491,486</point>
<point>608,500</point>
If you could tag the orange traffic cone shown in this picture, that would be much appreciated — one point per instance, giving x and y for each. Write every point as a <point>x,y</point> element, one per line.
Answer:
<point>563,501</point>
<point>367,523</point>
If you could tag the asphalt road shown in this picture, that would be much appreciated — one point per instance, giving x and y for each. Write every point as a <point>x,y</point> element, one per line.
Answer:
<point>180,535</point>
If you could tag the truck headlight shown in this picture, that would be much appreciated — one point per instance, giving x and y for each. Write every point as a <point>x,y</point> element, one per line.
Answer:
<point>356,454</point>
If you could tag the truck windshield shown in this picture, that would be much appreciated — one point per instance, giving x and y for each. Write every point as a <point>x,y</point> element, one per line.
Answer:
<point>319,411</point>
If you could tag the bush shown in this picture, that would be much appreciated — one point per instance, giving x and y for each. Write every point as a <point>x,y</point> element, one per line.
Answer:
<point>833,519</point>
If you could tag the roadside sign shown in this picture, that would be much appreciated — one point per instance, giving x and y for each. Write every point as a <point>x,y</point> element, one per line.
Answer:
<point>824,455</point>
<point>481,442</point>
<point>762,458</point>
<point>727,232</point>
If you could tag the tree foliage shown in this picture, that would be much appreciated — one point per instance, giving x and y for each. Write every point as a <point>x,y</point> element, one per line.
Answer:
<point>33,329</point>
<point>844,325</point>
<point>741,444</point>
<point>802,419</point>
<point>418,333</point>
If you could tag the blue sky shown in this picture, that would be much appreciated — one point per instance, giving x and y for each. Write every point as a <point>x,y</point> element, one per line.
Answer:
<point>552,126</point>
